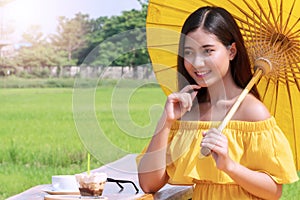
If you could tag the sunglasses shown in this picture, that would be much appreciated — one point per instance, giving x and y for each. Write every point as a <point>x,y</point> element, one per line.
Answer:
<point>123,181</point>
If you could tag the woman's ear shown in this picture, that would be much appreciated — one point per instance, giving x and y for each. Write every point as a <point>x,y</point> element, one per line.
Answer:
<point>232,51</point>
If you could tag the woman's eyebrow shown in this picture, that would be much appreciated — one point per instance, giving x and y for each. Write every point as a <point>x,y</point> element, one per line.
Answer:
<point>207,45</point>
<point>203,46</point>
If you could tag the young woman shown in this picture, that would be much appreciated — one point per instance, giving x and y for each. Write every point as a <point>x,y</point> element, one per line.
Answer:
<point>251,158</point>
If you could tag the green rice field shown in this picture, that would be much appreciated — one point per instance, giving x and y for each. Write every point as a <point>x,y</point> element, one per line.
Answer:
<point>39,137</point>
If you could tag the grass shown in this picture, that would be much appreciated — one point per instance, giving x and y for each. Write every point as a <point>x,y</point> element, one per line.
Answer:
<point>36,126</point>
<point>38,135</point>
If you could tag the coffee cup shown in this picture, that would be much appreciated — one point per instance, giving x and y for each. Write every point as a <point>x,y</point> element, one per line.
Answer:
<point>64,183</point>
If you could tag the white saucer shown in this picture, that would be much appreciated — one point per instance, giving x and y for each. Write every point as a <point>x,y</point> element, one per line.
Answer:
<point>52,191</point>
<point>71,197</point>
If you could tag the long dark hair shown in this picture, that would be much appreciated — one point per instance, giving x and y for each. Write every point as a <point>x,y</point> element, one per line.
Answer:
<point>217,21</point>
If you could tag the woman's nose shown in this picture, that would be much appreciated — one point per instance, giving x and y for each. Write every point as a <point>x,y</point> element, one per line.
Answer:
<point>198,61</point>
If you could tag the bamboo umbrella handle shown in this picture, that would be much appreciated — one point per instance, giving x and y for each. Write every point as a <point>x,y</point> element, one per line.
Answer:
<point>257,75</point>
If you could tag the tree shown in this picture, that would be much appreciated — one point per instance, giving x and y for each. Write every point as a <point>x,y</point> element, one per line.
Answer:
<point>38,53</point>
<point>34,36</point>
<point>117,40</point>
<point>93,38</point>
<point>122,40</point>
<point>71,34</point>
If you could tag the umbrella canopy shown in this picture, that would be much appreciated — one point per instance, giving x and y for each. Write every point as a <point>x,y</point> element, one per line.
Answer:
<point>271,30</point>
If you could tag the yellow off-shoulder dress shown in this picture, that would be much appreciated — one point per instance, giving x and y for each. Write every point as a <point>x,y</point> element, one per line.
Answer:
<point>259,146</point>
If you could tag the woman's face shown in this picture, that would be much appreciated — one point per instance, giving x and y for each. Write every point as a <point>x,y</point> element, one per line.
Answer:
<point>206,59</point>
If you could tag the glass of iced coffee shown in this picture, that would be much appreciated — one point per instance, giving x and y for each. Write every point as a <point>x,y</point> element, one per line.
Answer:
<point>91,184</point>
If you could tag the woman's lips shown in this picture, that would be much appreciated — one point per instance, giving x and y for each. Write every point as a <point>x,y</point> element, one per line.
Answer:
<point>202,73</point>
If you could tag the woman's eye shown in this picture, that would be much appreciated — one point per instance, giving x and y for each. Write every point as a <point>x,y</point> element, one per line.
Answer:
<point>208,51</point>
<point>188,53</point>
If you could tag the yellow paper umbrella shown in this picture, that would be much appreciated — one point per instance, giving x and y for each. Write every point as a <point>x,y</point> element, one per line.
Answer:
<point>271,30</point>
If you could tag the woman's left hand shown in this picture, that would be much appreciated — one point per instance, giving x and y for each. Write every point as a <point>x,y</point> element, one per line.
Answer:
<point>218,143</point>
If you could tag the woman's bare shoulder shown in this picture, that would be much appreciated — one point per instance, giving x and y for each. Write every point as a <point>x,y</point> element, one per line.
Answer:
<point>252,109</point>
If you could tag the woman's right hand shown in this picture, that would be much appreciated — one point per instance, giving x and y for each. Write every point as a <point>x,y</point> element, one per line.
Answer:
<point>179,103</point>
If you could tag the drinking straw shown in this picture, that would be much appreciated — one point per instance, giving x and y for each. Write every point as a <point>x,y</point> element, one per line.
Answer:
<point>88,163</point>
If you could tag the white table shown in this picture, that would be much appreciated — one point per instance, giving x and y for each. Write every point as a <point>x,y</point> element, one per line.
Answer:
<point>125,169</point>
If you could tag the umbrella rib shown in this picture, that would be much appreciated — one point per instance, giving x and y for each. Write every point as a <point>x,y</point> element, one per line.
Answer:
<point>290,47</point>
<point>245,32</point>
<point>281,14</point>
<point>266,89</point>
<point>254,33</point>
<point>165,69</point>
<point>296,79</point>
<point>164,24</point>
<point>272,14</point>
<point>262,29</point>
<point>170,7</point>
<point>293,34</point>
<point>266,23</point>
<point>262,32</point>
<point>241,10</point>
<point>276,96</point>
<point>252,29</point>
<point>293,117</point>
<point>293,55</point>
<point>162,45</point>
<point>256,23</point>
<point>289,17</point>
<point>293,45</point>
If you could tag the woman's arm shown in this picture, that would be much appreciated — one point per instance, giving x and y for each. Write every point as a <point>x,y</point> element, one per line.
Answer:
<point>152,167</point>
<point>256,183</point>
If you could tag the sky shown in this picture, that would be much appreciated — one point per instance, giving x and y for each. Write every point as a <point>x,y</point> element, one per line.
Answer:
<point>23,13</point>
